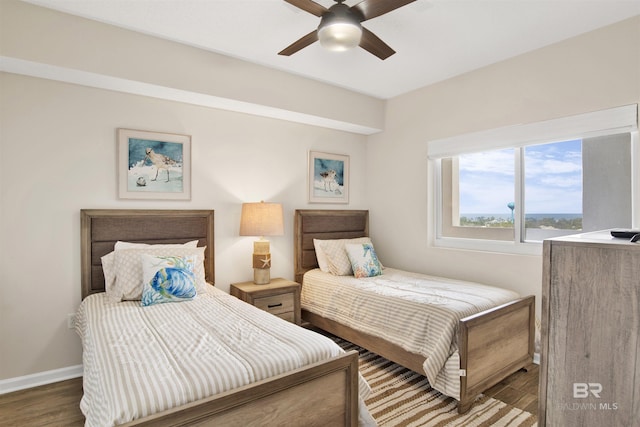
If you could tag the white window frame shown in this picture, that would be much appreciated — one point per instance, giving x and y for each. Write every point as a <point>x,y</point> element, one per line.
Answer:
<point>622,119</point>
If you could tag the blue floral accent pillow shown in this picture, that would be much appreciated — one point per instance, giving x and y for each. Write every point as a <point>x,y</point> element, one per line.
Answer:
<point>167,279</point>
<point>364,260</point>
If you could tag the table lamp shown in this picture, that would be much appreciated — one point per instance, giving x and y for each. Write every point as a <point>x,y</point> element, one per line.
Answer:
<point>261,219</point>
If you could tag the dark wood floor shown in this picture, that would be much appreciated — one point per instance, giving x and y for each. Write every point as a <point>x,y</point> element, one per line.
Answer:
<point>519,390</point>
<point>58,404</point>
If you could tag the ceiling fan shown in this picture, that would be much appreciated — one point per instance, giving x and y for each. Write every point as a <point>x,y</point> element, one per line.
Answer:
<point>340,27</point>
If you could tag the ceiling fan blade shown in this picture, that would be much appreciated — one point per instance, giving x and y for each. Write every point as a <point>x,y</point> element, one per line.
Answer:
<point>369,9</point>
<point>371,43</point>
<point>301,43</point>
<point>308,6</point>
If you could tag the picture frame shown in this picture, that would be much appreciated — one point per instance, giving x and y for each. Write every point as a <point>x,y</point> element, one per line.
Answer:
<point>153,165</point>
<point>328,177</point>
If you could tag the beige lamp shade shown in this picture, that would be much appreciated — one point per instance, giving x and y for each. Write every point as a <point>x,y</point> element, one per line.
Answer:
<point>261,219</point>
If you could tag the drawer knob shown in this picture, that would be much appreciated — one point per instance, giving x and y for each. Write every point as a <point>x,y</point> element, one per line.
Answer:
<point>274,305</point>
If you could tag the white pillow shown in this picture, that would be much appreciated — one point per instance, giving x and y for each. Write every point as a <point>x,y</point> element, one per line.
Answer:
<point>337,260</point>
<point>128,266</point>
<point>323,262</point>
<point>364,260</point>
<point>108,262</point>
<point>109,271</point>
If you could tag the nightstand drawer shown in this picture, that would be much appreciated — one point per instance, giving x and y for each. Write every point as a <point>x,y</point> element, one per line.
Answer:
<point>276,304</point>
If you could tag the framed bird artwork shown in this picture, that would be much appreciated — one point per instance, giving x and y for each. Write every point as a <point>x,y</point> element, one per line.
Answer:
<point>328,178</point>
<point>153,165</point>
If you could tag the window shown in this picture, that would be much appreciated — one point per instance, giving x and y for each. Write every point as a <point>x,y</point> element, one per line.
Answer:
<point>509,189</point>
<point>553,189</point>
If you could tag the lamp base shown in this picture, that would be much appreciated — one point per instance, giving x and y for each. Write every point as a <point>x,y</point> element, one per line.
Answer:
<point>261,276</point>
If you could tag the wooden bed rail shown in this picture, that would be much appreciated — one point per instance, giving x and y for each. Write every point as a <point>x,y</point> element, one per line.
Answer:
<point>321,394</point>
<point>494,344</point>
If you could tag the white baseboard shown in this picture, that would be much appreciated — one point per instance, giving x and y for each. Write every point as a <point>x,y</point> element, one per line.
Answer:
<point>41,378</point>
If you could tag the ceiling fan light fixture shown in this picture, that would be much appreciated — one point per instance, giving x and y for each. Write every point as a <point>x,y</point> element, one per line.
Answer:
<point>340,36</point>
<point>339,29</point>
<point>340,26</point>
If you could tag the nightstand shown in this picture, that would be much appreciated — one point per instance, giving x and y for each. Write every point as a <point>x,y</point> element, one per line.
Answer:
<point>281,297</point>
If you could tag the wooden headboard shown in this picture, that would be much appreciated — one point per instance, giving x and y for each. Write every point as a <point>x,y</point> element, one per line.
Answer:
<point>101,228</point>
<point>323,224</point>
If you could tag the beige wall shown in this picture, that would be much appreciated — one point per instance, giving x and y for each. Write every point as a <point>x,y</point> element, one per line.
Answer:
<point>597,70</point>
<point>59,142</point>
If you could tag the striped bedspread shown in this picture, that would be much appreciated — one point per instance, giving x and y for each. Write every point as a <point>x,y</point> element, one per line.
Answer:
<point>417,312</point>
<point>142,360</point>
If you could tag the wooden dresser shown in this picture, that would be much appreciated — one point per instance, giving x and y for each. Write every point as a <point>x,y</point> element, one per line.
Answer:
<point>590,356</point>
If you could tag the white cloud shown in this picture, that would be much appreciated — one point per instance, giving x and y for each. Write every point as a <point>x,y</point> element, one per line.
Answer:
<point>500,162</point>
<point>553,180</point>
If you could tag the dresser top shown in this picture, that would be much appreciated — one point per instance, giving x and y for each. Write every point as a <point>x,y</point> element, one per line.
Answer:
<point>598,237</point>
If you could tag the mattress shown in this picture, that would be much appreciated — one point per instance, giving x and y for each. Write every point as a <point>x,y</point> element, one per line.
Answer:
<point>417,312</point>
<point>142,360</point>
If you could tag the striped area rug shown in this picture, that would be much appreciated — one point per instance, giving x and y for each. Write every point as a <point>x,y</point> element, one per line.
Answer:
<point>402,397</point>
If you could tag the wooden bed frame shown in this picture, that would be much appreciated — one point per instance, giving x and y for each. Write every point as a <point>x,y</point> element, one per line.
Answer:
<point>492,344</point>
<point>324,393</point>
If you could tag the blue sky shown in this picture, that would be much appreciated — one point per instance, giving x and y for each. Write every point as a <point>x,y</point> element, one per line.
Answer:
<point>553,179</point>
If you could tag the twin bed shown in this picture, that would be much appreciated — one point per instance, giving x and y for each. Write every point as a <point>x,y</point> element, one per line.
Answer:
<point>215,360</point>
<point>480,334</point>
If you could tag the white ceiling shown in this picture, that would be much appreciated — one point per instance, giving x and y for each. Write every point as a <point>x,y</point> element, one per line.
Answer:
<point>434,39</point>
